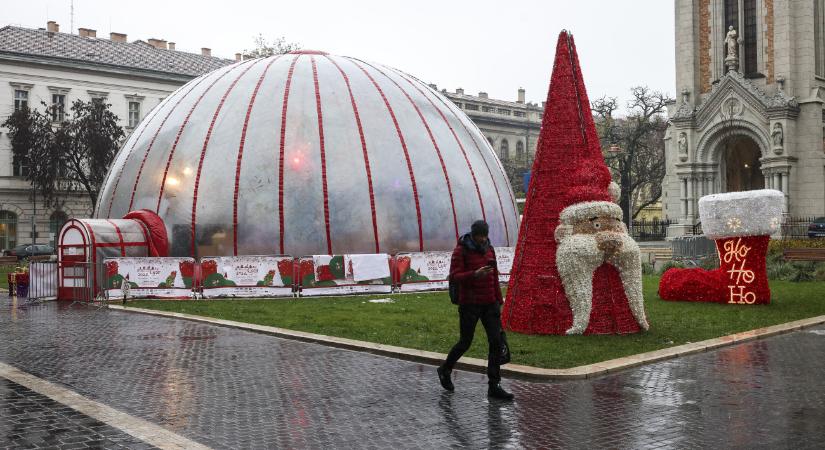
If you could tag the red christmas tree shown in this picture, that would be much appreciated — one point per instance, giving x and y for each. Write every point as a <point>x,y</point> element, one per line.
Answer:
<point>568,169</point>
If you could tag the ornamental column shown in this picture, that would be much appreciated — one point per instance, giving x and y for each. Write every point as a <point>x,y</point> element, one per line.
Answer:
<point>683,198</point>
<point>786,190</point>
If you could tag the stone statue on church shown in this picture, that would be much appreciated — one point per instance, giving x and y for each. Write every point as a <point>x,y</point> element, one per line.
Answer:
<point>777,135</point>
<point>681,142</point>
<point>732,43</point>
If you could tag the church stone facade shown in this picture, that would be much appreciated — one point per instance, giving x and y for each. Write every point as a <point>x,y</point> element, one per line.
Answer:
<point>751,81</point>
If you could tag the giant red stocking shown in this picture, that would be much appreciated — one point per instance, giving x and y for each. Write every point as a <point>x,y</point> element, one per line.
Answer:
<point>742,277</point>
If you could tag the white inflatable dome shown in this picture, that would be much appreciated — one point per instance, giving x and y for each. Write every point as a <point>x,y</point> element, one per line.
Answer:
<point>309,153</point>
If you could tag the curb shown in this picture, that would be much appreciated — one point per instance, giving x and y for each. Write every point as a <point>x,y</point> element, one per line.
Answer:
<point>480,365</point>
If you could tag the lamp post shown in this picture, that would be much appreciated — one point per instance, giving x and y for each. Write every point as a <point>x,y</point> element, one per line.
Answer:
<point>616,150</point>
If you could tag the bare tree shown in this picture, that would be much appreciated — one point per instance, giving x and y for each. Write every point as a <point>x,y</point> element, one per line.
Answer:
<point>264,48</point>
<point>634,146</point>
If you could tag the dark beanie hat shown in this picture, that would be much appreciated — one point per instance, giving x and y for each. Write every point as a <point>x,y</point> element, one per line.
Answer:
<point>479,228</point>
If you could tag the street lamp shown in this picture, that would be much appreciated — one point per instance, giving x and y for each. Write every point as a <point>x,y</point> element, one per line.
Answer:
<point>616,150</point>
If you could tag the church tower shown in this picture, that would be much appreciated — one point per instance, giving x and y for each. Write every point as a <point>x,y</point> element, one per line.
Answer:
<point>750,83</point>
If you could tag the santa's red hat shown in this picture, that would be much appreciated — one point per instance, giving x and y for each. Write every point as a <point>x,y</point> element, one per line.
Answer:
<point>568,170</point>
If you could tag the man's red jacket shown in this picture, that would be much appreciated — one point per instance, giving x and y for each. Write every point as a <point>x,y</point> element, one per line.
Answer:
<point>467,258</point>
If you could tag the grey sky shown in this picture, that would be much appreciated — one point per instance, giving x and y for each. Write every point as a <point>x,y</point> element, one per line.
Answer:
<point>481,45</point>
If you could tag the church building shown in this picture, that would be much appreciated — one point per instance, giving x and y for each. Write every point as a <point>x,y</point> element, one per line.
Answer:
<point>750,78</point>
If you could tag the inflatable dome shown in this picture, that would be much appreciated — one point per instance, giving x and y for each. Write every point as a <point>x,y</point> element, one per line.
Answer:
<point>309,153</point>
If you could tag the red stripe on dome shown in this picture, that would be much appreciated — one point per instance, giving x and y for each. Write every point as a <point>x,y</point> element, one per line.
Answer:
<point>406,153</point>
<point>364,151</point>
<point>323,151</point>
<point>183,126</point>
<point>126,160</point>
<point>154,137</point>
<point>437,150</point>
<point>203,153</point>
<point>452,130</point>
<point>281,156</point>
<point>240,157</point>
<point>119,237</point>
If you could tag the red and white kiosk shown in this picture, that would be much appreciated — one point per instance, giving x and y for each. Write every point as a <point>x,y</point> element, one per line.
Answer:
<point>84,243</point>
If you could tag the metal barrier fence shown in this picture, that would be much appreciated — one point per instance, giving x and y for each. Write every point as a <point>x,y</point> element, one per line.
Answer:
<point>796,227</point>
<point>43,280</point>
<point>650,230</point>
<point>692,247</point>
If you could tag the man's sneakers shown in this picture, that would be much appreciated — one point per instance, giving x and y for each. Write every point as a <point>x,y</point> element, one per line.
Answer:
<point>495,391</point>
<point>444,378</point>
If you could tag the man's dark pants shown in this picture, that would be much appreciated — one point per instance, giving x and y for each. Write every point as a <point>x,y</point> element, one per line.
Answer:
<point>490,316</point>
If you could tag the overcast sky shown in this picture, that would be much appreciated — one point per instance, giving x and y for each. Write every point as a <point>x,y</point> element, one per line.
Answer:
<point>480,45</point>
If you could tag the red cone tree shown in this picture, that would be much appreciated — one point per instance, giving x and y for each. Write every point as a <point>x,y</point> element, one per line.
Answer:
<point>568,168</point>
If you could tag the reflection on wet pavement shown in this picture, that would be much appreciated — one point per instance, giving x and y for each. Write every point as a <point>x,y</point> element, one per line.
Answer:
<point>228,388</point>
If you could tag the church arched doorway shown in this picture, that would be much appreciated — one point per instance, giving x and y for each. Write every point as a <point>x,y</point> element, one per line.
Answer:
<point>741,166</point>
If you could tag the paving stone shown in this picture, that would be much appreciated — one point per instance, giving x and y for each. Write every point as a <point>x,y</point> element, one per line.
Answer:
<point>229,388</point>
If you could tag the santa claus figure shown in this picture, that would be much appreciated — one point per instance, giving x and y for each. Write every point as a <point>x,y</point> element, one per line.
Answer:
<point>575,269</point>
<point>591,234</point>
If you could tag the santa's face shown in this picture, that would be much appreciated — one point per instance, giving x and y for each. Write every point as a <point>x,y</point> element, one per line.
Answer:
<point>608,232</point>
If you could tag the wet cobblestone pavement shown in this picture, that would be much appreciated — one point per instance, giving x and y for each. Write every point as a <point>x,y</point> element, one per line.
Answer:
<point>228,388</point>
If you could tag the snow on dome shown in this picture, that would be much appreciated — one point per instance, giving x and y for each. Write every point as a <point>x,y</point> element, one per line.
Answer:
<point>310,153</point>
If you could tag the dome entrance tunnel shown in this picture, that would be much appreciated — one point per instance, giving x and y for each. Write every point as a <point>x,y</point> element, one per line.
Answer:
<point>309,153</point>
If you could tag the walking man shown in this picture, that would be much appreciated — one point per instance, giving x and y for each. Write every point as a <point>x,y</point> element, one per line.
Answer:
<point>473,267</point>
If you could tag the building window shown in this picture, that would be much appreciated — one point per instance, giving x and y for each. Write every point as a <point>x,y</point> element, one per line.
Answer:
<point>505,150</point>
<point>56,222</point>
<point>490,140</point>
<point>520,150</point>
<point>470,107</point>
<point>21,99</point>
<point>134,114</point>
<point>505,112</point>
<point>19,166</point>
<point>458,104</point>
<point>750,37</point>
<point>58,107</point>
<point>819,36</point>
<point>519,113</point>
<point>488,109</point>
<point>8,230</point>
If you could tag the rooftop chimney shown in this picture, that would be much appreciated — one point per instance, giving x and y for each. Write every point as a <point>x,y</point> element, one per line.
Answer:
<point>482,95</point>
<point>520,95</point>
<point>433,86</point>
<point>238,57</point>
<point>157,43</point>
<point>459,91</point>
<point>171,46</point>
<point>52,27</point>
<point>87,32</point>
<point>117,37</point>
<point>206,51</point>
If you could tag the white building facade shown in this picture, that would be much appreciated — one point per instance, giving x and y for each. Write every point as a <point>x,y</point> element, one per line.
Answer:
<point>44,66</point>
<point>751,79</point>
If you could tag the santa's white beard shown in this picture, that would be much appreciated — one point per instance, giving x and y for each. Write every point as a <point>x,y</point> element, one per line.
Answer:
<point>577,258</point>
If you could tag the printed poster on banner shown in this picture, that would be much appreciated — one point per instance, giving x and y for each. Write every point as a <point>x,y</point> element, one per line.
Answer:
<point>247,276</point>
<point>345,274</point>
<point>149,277</point>
<point>504,260</point>
<point>423,271</point>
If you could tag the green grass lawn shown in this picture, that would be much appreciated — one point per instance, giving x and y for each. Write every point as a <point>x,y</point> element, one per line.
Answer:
<point>428,321</point>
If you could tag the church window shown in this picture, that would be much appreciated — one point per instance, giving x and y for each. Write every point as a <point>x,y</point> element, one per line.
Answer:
<point>520,150</point>
<point>819,36</point>
<point>750,37</point>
